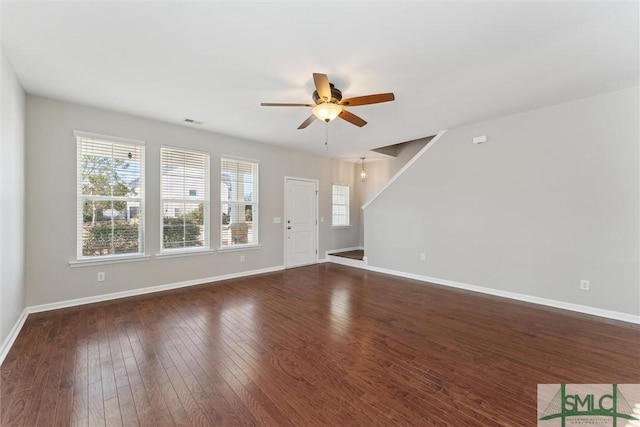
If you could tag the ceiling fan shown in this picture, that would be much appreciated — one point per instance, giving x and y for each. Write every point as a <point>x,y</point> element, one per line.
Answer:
<point>328,103</point>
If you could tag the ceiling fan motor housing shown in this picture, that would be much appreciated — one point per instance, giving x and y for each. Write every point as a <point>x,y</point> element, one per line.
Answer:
<point>336,95</point>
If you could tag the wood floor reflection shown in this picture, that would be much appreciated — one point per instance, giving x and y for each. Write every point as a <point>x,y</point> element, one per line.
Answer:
<point>324,345</point>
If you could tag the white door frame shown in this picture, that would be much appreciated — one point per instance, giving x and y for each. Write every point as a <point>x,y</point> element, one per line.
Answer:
<point>284,219</point>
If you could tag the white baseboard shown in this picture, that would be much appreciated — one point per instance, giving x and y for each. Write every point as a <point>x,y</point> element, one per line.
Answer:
<point>594,311</point>
<point>11,338</point>
<point>352,248</point>
<point>346,261</point>
<point>148,290</point>
<point>8,342</point>
<point>327,254</point>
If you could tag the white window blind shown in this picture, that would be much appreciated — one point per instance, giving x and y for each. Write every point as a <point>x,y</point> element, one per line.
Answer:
<point>110,196</point>
<point>340,205</point>
<point>239,202</point>
<point>185,199</point>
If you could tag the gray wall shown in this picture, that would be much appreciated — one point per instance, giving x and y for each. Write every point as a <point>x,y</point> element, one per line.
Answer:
<point>12,200</point>
<point>379,172</point>
<point>51,202</point>
<point>550,199</point>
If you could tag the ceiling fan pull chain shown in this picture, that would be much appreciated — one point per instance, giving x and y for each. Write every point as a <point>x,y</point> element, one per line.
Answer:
<point>326,137</point>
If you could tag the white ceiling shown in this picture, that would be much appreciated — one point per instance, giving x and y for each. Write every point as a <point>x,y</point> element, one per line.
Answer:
<point>447,63</point>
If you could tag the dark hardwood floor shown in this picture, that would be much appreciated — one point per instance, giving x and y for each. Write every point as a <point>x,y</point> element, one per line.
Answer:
<point>325,345</point>
<point>356,254</point>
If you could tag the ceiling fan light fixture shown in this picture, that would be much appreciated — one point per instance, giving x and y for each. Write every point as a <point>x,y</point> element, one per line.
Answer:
<point>328,103</point>
<point>327,111</point>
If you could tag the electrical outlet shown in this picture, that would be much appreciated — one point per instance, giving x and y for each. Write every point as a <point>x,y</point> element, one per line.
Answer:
<point>241,258</point>
<point>101,276</point>
<point>423,256</point>
<point>584,285</point>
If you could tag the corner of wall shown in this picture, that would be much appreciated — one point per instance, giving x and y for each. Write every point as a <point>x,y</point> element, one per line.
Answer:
<point>12,190</point>
<point>550,199</point>
<point>404,168</point>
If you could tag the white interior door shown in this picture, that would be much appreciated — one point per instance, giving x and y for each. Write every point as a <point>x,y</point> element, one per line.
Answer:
<point>301,222</point>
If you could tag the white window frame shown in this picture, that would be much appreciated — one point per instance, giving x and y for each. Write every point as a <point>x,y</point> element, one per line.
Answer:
<point>206,247</point>
<point>347,205</point>
<point>81,199</point>
<point>255,203</point>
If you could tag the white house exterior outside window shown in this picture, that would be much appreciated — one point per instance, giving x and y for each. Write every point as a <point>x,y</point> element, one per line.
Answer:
<point>184,192</point>
<point>239,203</point>
<point>110,196</point>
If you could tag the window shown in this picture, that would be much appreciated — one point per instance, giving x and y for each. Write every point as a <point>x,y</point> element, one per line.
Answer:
<point>184,193</point>
<point>239,203</point>
<point>110,193</point>
<point>340,205</point>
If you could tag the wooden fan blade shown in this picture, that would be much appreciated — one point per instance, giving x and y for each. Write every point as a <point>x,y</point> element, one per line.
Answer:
<point>307,122</point>
<point>368,99</point>
<point>278,104</point>
<point>351,118</point>
<point>322,85</point>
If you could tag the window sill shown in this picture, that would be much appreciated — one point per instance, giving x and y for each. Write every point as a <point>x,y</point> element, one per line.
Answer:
<point>107,260</point>
<point>184,253</point>
<point>338,227</point>
<point>239,248</point>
